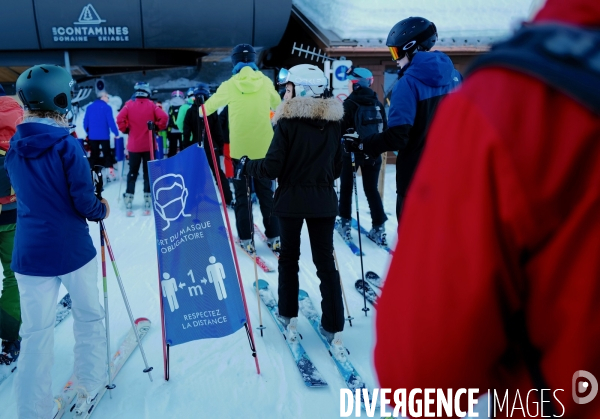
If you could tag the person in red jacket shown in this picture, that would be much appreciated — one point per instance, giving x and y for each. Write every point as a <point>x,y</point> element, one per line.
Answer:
<point>495,283</point>
<point>133,120</point>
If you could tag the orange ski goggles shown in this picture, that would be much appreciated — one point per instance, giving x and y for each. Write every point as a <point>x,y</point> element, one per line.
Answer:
<point>395,51</point>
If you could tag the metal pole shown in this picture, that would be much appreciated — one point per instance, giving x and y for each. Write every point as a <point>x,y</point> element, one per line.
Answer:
<point>362,270</point>
<point>337,267</point>
<point>125,300</point>
<point>237,265</point>
<point>110,385</point>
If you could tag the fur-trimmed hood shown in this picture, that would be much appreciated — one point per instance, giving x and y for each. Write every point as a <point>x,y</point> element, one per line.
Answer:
<point>310,108</point>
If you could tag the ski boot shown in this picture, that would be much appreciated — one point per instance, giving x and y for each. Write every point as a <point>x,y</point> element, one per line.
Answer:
<point>275,245</point>
<point>248,246</point>
<point>128,199</point>
<point>342,225</point>
<point>337,349</point>
<point>377,234</point>
<point>291,328</point>
<point>10,351</point>
<point>85,399</point>
<point>147,203</point>
<point>111,175</point>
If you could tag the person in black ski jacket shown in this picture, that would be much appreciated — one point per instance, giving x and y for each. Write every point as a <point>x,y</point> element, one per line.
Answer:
<point>193,127</point>
<point>362,98</point>
<point>305,157</point>
<point>425,79</point>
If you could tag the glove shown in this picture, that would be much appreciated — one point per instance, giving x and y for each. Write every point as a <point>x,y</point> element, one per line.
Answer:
<point>240,168</point>
<point>352,144</point>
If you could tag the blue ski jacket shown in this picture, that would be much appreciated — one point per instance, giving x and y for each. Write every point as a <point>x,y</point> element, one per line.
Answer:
<point>428,78</point>
<point>99,121</point>
<point>51,177</point>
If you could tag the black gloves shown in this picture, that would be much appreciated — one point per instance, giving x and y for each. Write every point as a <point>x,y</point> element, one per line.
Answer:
<point>240,168</point>
<point>352,144</point>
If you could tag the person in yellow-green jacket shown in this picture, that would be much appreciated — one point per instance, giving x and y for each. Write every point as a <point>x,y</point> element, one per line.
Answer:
<point>249,95</point>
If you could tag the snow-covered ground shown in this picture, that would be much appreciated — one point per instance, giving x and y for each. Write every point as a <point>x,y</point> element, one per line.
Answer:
<point>217,377</point>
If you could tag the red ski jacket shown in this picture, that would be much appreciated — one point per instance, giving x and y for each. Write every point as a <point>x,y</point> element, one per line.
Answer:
<point>503,216</point>
<point>11,114</point>
<point>133,119</point>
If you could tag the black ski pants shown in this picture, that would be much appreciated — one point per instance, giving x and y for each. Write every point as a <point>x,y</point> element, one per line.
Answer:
<point>135,160</point>
<point>264,193</point>
<point>174,141</point>
<point>226,189</point>
<point>95,159</point>
<point>370,177</point>
<point>320,231</point>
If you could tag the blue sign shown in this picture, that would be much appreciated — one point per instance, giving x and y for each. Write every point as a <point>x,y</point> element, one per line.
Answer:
<point>340,72</point>
<point>199,283</point>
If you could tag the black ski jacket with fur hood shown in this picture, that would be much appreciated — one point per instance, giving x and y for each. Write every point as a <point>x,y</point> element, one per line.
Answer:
<point>305,157</point>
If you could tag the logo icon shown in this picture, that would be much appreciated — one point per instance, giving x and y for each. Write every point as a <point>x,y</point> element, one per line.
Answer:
<point>340,72</point>
<point>170,196</point>
<point>585,387</point>
<point>89,16</point>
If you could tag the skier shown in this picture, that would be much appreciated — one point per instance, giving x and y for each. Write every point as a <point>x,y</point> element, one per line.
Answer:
<point>364,114</point>
<point>51,178</point>
<point>133,119</point>
<point>250,95</point>
<point>306,157</point>
<point>10,310</point>
<point>183,111</point>
<point>425,79</point>
<point>498,243</point>
<point>98,123</point>
<point>193,124</point>
<point>173,132</point>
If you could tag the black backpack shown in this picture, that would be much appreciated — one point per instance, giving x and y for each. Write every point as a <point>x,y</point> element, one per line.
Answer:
<point>173,112</point>
<point>564,57</point>
<point>367,119</point>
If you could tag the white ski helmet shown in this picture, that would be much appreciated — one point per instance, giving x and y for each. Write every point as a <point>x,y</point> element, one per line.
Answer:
<point>309,80</point>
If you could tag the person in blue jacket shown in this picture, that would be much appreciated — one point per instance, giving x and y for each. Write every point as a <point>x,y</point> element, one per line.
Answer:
<point>425,78</point>
<point>51,177</point>
<point>98,122</point>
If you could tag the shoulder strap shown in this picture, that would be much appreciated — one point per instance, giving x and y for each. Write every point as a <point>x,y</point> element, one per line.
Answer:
<point>565,57</point>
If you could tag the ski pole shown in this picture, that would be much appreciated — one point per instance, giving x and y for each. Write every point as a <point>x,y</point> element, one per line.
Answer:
<point>151,138</point>
<point>248,325</point>
<point>337,267</point>
<point>261,327</point>
<point>362,270</point>
<point>99,183</point>
<point>121,180</point>
<point>125,300</point>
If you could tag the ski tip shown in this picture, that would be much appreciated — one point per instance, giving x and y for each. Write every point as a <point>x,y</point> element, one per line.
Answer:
<point>262,284</point>
<point>371,274</point>
<point>140,320</point>
<point>302,294</point>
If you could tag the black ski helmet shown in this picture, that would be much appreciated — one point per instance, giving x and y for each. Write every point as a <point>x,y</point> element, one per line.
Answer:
<point>243,53</point>
<point>411,35</point>
<point>45,87</point>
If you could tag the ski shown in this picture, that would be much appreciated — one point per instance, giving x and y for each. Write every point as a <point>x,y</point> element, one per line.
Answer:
<point>311,376</point>
<point>346,369</point>
<point>66,399</point>
<point>263,237</point>
<point>355,249</point>
<point>365,233</point>
<point>374,279</point>
<point>370,292</point>
<point>63,309</point>
<point>259,261</point>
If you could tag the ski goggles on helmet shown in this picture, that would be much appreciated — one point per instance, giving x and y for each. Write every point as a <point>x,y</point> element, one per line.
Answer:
<point>284,76</point>
<point>356,78</point>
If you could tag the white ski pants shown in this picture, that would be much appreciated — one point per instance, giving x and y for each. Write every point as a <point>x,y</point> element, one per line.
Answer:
<point>33,381</point>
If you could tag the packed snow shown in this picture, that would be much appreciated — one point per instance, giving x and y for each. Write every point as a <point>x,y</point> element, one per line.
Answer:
<point>217,377</point>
